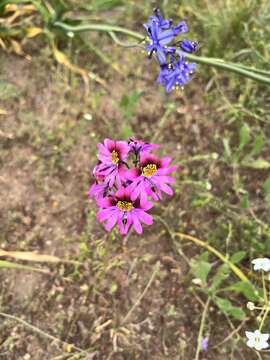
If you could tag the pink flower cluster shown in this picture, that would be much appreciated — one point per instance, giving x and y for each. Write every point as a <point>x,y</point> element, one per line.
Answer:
<point>122,190</point>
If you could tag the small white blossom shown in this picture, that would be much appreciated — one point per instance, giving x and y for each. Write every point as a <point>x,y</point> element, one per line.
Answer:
<point>250,305</point>
<point>261,264</point>
<point>257,340</point>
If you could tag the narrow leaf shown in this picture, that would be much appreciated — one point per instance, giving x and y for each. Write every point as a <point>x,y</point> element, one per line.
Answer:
<point>244,137</point>
<point>11,265</point>
<point>31,256</point>
<point>237,257</point>
<point>257,164</point>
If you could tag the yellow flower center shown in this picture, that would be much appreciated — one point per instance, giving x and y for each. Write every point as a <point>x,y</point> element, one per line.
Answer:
<point>124,205</point>
<point>115,157</point>
<point>149,170</point>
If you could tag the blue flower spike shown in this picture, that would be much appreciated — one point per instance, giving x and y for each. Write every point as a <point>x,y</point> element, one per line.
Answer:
<point>175,72</point>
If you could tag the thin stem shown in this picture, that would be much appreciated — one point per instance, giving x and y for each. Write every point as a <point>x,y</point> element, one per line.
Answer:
<point>121,43</point>
<point>229,67</point>
<point>264,288</point>
<point>223,258</point>
<point>98,27</point>
<point>264,317</point>
<point>218,63</point>
<point>200,336</point>
<point>227,338</point>
<point>162,123</point>
<point>154,274</point>
<point>39,331</point>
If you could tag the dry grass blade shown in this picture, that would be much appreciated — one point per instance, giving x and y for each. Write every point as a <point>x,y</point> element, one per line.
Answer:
<point>33,32</point>
<point>32,256</point>
<point>3,112</point>
<point>62,59</point>
<point>10,265</point>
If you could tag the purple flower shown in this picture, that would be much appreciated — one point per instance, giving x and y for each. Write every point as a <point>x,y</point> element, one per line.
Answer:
<point>163,23</point>
<point>204,344</point>
<point>176,74</point>
<point>112,155</point>
<point>151,179</point>
<point>138,146</point>
<point>160,34</point>
<point>174,71</point>
<point>188,46</point>
<point>124,211</point>
<point>99,190</point>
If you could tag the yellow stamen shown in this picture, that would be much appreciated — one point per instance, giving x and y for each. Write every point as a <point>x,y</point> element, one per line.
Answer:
<point>124,205</point>
<point>149,170</point>
<point>115,157</point>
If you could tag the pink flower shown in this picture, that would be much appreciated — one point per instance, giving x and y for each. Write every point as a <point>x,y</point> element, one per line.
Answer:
<point>112,155</point>
<point>121,209</point>
<point>99,191</point>
<point>151,178</point>
<point>113,152</point>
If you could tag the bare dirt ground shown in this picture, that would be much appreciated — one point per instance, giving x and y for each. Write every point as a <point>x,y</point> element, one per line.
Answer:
<point>48,147</point>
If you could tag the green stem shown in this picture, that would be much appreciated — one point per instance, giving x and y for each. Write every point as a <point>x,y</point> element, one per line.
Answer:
<point>218,254</point>
<point>264,317</point>
<point>264,288</point>
<point>98,27</point>
<point>230,67</point>
<point>200,336</point>
<point>248,72</point>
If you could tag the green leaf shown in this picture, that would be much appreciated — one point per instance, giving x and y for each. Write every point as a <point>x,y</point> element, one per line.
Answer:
<point>221,275</point>
<point>229,309</point>
<point>11,265</point>
<point>8,91</point>
<point>237,257</point>
<point>227,148</point>
<point>256,164</point>
<point>129,102</point>
<point>243,288</point>
<point>266,187</point>
<point>102,5</point>
<point>200,267</point>
<point>257,145</point>
<point>126,131</point>
<point>245,201</point>
<point>237,313</point>
<point>244,137</point>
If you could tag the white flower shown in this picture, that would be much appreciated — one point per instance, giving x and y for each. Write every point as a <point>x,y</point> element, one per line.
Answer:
<point>261,264</point>
<point>257,340</point>
<point>251,306</point>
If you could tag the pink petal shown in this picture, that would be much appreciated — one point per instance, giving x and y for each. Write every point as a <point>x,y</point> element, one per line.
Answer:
<point>145,156</point>
<point>165,171</point>
<point>136,224</point>
<point>165,161</point>
<point>165,188</point>
<point>135,193</point>
<point>104,214</point>
<point>111,222</point>
<point>122,148</point>
<point>106,202</point>
<point>120,193</point>
<point>166,179</point>
<point>146,205</point>
<point>103,150</point>
<point>145,218</point>
<point>133,173</point>
<point>110,144</point>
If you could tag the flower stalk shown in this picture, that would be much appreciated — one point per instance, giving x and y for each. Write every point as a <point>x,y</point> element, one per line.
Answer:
<point>249,72</point>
